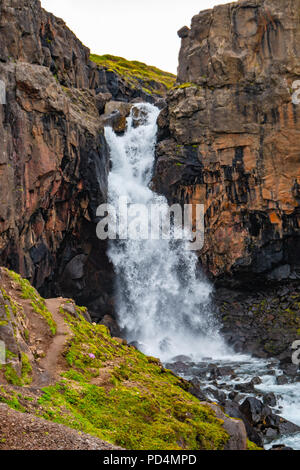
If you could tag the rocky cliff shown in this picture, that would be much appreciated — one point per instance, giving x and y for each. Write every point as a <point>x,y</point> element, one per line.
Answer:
<point>229,138</point>
<point>54,159</point>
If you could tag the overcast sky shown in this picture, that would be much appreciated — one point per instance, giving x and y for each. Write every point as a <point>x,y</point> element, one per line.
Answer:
<point>144,30</point>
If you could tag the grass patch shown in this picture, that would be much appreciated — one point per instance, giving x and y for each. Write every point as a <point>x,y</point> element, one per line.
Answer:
<point>26,371</point>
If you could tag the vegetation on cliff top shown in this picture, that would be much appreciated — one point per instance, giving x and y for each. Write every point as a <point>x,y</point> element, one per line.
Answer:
<point>110,390</point>
<point>151,79</point>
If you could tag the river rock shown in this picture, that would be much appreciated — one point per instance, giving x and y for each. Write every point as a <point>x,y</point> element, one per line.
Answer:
<point>269,399</point>
<point>182,358</point>
<point>232,409</point>
<point>282,380</point>
<point>262,418</point>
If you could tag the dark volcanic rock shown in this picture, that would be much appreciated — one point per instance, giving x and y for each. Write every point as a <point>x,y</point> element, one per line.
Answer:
<point>263,419</point>
<point>253,322</point>
<point>232,409</point>
<point>269,399</point>
<point>231,112</point>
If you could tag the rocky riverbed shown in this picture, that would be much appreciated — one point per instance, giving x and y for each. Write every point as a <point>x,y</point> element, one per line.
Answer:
<point>263,393</point>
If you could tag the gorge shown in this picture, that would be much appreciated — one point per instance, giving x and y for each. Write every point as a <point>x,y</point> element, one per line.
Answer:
<point>79,130</point>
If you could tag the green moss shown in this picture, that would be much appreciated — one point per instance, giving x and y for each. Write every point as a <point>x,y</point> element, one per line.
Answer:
<point>26,371</point>
<point>186,85</point>
<point>11,399</point>
<point>9,354</point>
<point>11,375</point>
<point>37,302</point>
<point>151,79</point>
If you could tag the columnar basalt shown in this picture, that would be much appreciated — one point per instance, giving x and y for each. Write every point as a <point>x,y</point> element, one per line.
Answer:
<point>229,138</point>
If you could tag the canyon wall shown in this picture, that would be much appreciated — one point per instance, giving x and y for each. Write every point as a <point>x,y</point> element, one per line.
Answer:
<point>54,160</point>
<point>229,138</point>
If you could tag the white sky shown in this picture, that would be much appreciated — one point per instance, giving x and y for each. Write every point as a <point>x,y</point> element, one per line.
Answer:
<point>144,30</point>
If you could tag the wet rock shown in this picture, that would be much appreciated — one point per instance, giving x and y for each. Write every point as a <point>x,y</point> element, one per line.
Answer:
<point>114,120</point>
<point>139,117</point>
<point>112,325</point>
<point>262,418</point>
<point>269,399</point>
<point>255,381</point>
<point>281,447</point>
<point>182,358</point>
<point>252,409</point>
<point>232,409</point>
<point>282,380</point>
<point>246,387</point>
<point>122,107</point>
<point>271,434</point>
<point>179,367</point>
<point>196,389</point>
<point>136,345</point>
<point>271,372</point>
<point>291,370</point>
<point>225,371</point>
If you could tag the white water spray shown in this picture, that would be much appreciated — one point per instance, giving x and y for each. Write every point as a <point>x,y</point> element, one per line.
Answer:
<point>162,301</point>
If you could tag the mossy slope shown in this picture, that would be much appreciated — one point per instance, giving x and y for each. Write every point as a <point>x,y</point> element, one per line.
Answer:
<point>151,79</point>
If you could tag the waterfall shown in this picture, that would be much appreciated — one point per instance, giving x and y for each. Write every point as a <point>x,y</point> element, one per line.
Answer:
<point>163,301</point>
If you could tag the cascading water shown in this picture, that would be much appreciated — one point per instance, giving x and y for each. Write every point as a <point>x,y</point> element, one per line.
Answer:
<point>163,302</point>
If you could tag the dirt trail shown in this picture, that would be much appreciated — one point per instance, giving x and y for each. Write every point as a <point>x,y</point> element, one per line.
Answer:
<point>50,364</point>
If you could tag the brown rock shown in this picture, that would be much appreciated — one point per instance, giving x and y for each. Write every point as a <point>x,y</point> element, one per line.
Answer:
<point>234,427</point>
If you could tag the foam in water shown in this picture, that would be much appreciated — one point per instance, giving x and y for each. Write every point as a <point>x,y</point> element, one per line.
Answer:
<point>163,302</point>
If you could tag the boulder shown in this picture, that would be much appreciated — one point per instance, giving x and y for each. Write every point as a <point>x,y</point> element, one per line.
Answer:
<point>112,325</point>
<point>232,409</point>
<point>234,427</point>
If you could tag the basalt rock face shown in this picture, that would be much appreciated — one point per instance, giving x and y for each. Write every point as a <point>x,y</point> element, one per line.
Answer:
<point>54,160</point>
<point>229,138</point>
